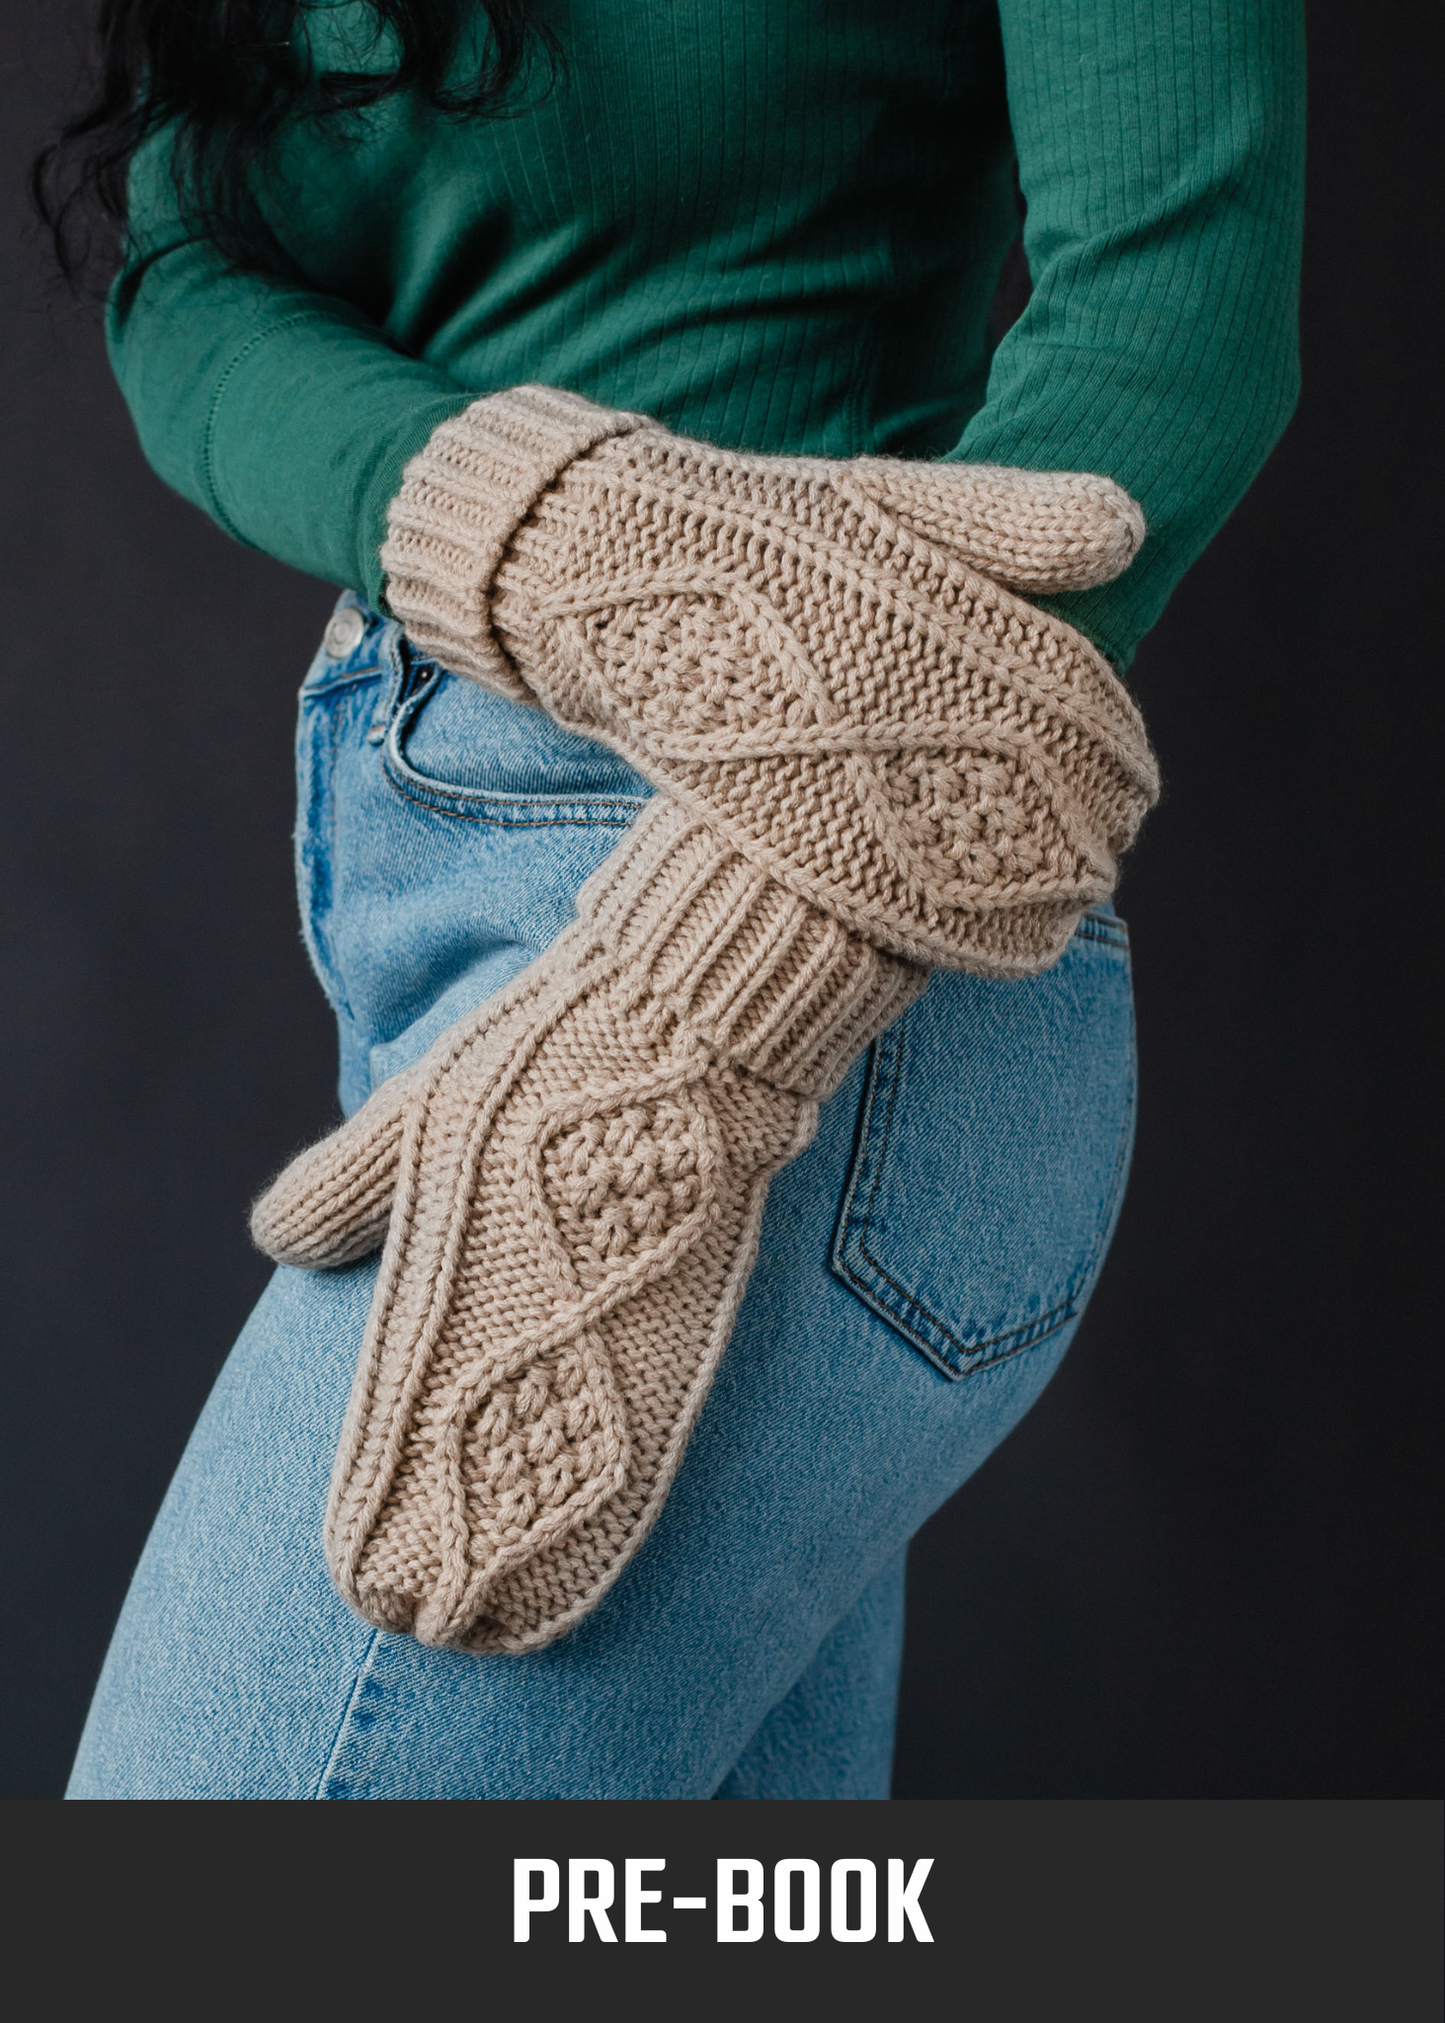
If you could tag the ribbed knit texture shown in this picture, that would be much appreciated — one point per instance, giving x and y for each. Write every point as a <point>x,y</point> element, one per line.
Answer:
<point>805,653</point>
<point>774,225</point>
<point>871,758</point>
<point>579,1172</point>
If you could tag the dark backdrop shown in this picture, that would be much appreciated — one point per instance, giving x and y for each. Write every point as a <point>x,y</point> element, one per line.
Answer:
<point>1199,1568</point>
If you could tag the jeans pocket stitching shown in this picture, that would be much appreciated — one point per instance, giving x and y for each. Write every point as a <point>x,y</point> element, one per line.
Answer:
<point>580,814</point>
<point>955,1357</point>
<point>476,804</point>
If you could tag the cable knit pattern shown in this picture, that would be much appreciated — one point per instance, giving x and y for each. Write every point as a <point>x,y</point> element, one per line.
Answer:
<point>872,758</point>
<point>579,1172</point>
<point>462,500</point>
<point>808,654</point>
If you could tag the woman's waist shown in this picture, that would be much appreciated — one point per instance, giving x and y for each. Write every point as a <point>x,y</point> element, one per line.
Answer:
<point>860,368</point>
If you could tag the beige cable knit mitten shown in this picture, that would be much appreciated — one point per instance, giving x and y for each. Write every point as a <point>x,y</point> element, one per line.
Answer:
<point>872,759</point>
<point>816,656</point>
<point>578,1171</point>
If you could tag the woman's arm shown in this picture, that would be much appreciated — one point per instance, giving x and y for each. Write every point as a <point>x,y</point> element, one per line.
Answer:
<point>283,413</point>
<point>1160,147</point>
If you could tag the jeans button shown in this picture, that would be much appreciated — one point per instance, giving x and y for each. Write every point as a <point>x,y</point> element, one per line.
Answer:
<point>345,633</point>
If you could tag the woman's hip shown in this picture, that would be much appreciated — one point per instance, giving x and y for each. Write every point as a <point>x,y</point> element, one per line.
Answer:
<point>829,1436</point>
<point>921,1270</point>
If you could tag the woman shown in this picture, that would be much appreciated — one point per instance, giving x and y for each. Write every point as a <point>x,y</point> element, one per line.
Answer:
<point>674,820</point>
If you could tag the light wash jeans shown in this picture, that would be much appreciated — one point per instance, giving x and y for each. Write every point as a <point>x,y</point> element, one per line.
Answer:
<point>922,1269</point>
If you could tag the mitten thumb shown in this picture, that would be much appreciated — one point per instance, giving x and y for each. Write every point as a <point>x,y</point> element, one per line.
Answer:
<point>331,1205</point>
<point>1032,530</point>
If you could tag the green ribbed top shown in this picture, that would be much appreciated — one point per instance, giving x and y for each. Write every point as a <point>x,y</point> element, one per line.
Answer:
<point>776,225</point>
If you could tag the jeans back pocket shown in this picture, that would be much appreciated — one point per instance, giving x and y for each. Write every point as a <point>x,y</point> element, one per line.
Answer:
<point>993,1142</point>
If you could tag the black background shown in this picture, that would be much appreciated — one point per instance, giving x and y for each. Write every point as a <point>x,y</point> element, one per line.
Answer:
<point>1200,1567</point>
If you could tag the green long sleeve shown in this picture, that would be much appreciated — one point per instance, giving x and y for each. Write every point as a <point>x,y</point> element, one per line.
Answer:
<point>1161,156</point>
<point>775,224</point>
<point>280,412</point>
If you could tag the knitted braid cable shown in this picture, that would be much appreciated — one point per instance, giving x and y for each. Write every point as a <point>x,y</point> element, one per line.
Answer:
<point>577,1175</point>
<point>873,758</point>
<point>809,654</point>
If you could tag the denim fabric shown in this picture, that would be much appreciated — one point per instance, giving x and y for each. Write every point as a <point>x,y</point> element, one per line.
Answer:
<point>922,1269</point>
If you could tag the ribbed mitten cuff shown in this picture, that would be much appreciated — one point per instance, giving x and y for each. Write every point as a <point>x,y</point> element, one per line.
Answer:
<point>462,498</point>
<point>713,946</point>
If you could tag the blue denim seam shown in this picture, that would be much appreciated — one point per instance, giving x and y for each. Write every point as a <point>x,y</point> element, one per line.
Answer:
<point>954,1357</point>
<point>317,722</point>
<point>1103,927</point>
<point>319,930</point>
<point>549,814</point>
<point>339,676</point>
<point>363,1670</point>
<point>319,699</point>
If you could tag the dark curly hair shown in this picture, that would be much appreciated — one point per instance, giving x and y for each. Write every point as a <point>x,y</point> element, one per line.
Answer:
<point>224,76</point>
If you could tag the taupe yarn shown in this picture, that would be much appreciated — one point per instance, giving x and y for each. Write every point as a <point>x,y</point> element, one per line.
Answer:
<point>872,758</point>
<point>806,653</point>
<point>579,1171</point>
